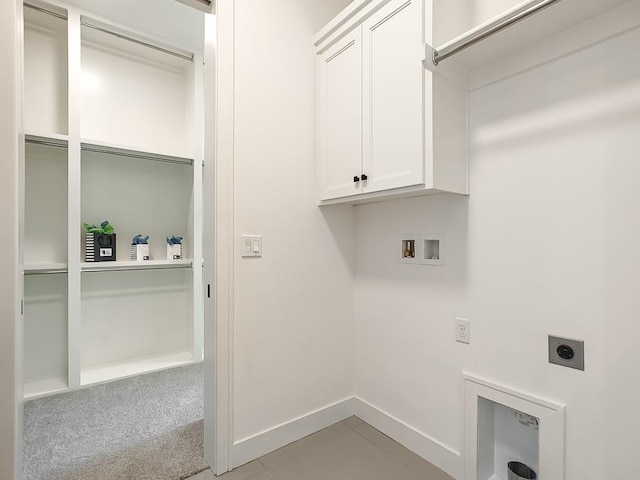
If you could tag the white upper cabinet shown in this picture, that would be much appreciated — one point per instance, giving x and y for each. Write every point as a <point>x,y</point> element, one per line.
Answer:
<point>386,127</point>
<point>340,81</point>
<point>392,93</point>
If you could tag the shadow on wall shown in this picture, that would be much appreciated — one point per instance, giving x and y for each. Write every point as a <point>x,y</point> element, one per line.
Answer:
<point>572,102</point>
<point>340,220</point>
<point>379,231</point>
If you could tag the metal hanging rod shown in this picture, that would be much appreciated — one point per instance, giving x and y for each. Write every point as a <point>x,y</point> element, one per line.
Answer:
<point>44,10</point>
<point>138,155</point>
<point>111,151</point>
<point>115,34</point>
<point>135,40</point>
<point>491,29</point>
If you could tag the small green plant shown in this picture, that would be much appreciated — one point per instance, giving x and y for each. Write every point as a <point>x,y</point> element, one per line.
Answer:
<point>105,228</point>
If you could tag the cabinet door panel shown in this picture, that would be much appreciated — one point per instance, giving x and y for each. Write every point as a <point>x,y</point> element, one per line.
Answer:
<point>393,96</point>
<point>340,118</point>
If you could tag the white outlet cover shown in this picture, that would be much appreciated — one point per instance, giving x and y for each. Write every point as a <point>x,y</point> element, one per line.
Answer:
<point>463,330</point>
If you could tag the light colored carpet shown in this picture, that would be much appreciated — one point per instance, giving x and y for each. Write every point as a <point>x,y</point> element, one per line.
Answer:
<point>148,427</point>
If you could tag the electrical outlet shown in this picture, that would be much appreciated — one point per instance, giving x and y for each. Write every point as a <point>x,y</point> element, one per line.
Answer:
<point>566,352</point>
<point>463,330</point>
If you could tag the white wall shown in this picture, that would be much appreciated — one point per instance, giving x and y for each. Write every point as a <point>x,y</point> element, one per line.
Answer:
<point>481,11</point>
<point>293,323</point>
<point>547,242</point>
<point>9,371</point>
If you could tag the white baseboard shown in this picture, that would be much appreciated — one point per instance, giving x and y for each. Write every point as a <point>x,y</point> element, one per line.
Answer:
<point>443,457</point>
<point>253,447</point>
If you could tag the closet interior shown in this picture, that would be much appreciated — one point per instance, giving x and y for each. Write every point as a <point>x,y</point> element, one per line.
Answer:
<point>112,131</point>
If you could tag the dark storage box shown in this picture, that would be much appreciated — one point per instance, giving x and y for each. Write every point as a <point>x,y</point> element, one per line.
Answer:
<point>100,247</point>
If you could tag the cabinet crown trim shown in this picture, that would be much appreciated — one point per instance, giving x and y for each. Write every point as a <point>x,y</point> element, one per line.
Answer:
<point>338,22</point>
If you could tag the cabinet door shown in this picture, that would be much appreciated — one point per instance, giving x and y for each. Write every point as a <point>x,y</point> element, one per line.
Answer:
<point>393,79</point>
<point>340,118</point>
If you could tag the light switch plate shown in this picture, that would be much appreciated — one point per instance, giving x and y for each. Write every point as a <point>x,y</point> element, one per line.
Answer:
<point>251,246</point>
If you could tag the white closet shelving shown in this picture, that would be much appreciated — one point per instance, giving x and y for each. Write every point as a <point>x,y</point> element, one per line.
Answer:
<point>122,265</point>
<point>475,44</point>
<point>554,17</point>
<point>110,134</point>
<point>141,365</point>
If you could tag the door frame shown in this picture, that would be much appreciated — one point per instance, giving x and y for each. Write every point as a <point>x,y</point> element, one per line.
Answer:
<point>218,237</point>
<point>10,254</point>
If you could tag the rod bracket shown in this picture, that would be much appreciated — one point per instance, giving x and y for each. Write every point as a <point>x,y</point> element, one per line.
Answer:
<point>449,70</point>
<point>430,61</point>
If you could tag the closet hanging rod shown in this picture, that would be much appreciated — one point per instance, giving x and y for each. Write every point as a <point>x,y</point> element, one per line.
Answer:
<point>491,29</point>
<point>44,10</point>
<point>141,156</point>
<point>110,32</point>
<point>135,40</point>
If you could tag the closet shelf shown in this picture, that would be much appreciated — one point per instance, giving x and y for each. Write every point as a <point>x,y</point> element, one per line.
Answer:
<point>35,268</point>
<point>90,376</point>
<point>46,386</point>
<point>122,265</point>
<point>51,139</point>
<point>133,152</point>
<point>553,19</point>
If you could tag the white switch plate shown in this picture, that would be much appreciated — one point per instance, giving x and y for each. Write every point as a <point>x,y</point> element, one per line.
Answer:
<point>251,246</point>
<point>463,330</point>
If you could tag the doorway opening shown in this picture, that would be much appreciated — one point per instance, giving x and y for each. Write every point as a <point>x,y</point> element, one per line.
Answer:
<point>112,225</point>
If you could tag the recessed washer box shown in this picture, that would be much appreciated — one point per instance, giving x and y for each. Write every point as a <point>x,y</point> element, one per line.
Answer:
<point>409,248</point>
<point>502,425</point>
<point>432,249</point>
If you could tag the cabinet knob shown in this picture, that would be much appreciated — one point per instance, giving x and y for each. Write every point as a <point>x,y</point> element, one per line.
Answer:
<point>364,177</point>
<point>356,179</point>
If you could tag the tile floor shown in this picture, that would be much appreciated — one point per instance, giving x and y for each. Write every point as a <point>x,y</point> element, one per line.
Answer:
<point>348,450</point>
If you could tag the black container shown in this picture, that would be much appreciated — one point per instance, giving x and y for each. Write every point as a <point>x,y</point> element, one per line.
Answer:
<point>100,247</point>
<point>520,471</point>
